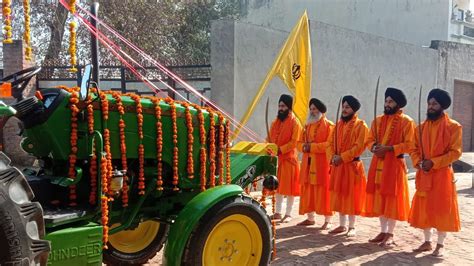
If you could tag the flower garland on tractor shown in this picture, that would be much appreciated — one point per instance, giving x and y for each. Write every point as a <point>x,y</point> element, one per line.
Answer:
<point>123,147</point>
<point>159,142</point>
<point>221,139</point>
<point>93,162</point>
<point>202,150</point>
<point>141,147</point>
<point>212,149</point>
<point>106,168</point>
<point>227,153</point>
<point>221,149</point>
<point>190,129</point>
<point>73,101</point>
<point>172,105</point>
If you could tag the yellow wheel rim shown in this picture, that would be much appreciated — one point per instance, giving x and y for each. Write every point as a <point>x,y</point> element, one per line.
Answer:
<point>132,241</point>
<point>236,240</point>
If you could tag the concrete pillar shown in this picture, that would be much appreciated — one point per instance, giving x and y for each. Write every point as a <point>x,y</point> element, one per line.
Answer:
<point>222,62</point>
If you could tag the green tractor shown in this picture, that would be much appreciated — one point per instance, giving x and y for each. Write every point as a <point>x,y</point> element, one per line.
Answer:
<point>81,207</point>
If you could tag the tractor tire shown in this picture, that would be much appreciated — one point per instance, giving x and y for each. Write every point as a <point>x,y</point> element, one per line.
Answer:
<point>21,221</point>
<point>237,231</point>
<point>136,246</point>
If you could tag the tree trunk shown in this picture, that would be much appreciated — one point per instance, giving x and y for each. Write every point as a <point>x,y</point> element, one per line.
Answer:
<point>57,32</point>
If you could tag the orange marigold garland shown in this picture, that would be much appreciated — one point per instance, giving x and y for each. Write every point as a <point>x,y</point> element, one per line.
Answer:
<point>72,38</point>
<point>247,190</point>
<point>189,126</point>
<point>93,177</point>
<point>73,100</point>
<point>273,225</point>
<point>221,149</point>
<point>105,168</point>
<point>105,116</point>
<point>26,35</point>
<point>159,142</point>
<point>227,154</point>
<point>212,149</point>
<point>72,46</point>
<point>7,22</point>
<point>175,142</point>
<point>72,6</point>
<point>141,147</point>
<point>202,151</point>
<point>123,146</point>
<point>108,155</point>
<point>93,162</point>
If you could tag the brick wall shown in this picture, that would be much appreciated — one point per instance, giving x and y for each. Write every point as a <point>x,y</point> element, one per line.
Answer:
<point>13,61</point>
<point>463,111</point>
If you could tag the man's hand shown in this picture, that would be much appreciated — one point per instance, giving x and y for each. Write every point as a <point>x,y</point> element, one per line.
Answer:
<point>380,150</point>
<point>306,147</point>
<point>336,160</point>
<point>426,165</point>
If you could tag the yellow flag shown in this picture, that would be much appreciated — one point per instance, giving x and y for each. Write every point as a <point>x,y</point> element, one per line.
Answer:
<point>293,66</point>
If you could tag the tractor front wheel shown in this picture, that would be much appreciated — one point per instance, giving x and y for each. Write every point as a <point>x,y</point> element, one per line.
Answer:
<point>21,221</point>
<point>236,231</point>
<point>136,246</point>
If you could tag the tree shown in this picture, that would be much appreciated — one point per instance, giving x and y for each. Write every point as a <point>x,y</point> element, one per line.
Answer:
<point>172,32</point>
<point>57,32</point>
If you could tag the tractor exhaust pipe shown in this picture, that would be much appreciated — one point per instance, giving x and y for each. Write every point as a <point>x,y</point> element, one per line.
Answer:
<point>95,46</point>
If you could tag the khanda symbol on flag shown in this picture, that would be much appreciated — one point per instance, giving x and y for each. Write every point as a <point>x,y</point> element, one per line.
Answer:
<point>293,67</point>
<point>296,71</point>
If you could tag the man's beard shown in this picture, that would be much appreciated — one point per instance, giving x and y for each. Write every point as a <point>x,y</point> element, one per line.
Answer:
<point>313,118</point>
<point>282,115</point>
<point>390,111</point>
<point>347,118</point>
<point>434,116</point>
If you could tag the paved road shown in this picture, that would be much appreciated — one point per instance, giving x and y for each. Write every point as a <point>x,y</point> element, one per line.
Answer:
<point>308,246</point>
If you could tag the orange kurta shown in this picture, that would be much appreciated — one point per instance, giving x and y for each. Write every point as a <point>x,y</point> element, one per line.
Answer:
<point>285,135</point>
<point>435,203</point>
<point>387,184</point>
<point>314,175</point>
<point>348,182</point>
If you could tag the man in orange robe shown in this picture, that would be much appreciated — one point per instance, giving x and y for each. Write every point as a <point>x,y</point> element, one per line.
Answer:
<point>285,132</point>
<point>314,176</point>
<point>348,182</point>
<point>435,202</point>
<point>390,137</point>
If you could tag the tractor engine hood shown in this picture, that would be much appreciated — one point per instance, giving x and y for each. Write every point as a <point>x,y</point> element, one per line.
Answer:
<point>32,112</point>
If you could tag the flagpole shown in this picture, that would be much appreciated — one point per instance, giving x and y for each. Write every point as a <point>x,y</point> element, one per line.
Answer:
<point>302,27</point>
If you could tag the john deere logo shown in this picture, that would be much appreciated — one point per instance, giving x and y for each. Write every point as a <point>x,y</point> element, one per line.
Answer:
<point>295,71</point>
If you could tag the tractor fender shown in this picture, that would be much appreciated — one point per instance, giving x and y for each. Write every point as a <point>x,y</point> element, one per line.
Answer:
<point>189,217</point>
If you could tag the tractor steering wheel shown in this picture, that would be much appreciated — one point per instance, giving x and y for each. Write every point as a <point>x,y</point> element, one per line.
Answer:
<point>20,79</point>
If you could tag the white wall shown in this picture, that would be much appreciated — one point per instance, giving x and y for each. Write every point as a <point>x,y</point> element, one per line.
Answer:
<point>344,62</point>
<point>412,21</point>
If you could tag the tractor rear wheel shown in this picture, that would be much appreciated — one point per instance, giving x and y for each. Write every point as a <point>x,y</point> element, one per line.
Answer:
<point>21,221</point>
<point>236,231</point>
<point>136,246</point>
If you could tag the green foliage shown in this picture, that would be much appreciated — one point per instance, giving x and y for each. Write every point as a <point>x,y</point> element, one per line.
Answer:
<point>171,31</point>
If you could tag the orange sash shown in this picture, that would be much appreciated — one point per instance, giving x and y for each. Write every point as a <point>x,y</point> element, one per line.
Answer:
<point>280,134</point>
<point>436,140</point>
<point>339,181</point>
<point>390,165</point>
